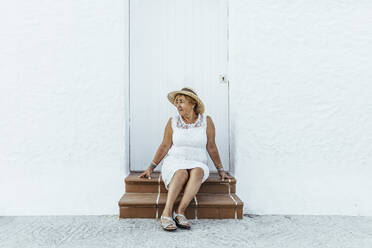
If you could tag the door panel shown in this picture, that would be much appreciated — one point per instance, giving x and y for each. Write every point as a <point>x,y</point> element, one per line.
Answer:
<point>174,44</point>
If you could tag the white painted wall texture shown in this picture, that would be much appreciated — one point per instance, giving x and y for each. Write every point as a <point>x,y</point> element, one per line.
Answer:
<point>63,67</point>
<point>300,92</point>
<point>301,105</point>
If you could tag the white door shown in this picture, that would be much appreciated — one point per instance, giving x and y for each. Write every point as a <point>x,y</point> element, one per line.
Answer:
<point>174,44</point>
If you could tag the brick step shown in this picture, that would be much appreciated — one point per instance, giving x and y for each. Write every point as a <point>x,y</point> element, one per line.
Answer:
<point>213,184</point>
<point>203,206</point>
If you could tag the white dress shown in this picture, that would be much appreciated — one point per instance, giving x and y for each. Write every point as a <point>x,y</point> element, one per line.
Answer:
<point>188,149</point>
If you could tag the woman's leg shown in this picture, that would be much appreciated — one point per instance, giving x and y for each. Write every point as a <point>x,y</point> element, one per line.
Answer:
<point>191,189</point>
<point>179,179</point>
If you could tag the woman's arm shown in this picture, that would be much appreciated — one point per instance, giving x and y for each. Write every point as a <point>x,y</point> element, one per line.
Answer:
<point>166,143</point>
<point>212,149</point>
<point>211,145</point>
<point>162,150</point>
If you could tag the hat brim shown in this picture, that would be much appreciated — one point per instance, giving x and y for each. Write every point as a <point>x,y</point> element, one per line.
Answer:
<point>171,95</point>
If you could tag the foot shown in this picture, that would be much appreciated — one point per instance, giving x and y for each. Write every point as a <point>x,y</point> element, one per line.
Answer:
<point>168,223</point>
<point>181,220</point>
<point>167,213</point>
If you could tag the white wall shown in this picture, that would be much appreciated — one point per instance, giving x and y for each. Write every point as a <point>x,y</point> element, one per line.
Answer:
<point>301,105</point>
<point>301,120</point>
<point>63,67</point>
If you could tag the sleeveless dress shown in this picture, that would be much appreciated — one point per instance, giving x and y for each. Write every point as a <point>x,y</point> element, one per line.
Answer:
<point>188,149</point>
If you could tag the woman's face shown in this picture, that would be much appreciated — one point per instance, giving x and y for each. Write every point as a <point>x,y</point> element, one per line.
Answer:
<point>183,105</point>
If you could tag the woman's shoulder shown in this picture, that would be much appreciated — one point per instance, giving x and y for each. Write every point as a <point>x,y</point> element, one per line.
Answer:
<point>169,125</point>
<point>207,117</point>
<point>173,119</point>
<point>209,121</point>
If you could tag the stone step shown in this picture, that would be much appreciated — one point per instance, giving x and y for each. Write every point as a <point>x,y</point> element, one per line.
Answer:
<point>203,206</point>
<point>213,184</point>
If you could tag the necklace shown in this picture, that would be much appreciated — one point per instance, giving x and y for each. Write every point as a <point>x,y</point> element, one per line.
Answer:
<point>182,124</point>
<point>189,123</point>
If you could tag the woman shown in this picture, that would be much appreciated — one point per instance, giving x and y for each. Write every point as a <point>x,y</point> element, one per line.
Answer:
<point>187,138</point>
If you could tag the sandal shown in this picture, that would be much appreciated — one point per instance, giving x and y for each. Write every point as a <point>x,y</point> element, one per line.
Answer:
<point>183,223</point>
<point>168,224</point>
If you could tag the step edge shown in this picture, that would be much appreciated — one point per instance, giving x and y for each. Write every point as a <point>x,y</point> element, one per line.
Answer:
<point>238,203</point>
<point>156,182</point>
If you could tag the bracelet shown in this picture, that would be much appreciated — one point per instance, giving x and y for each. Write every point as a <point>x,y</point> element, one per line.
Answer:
<point>153,165</point>
<point>219,167</point>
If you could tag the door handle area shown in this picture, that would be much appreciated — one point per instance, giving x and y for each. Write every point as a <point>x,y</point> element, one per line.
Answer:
<point>223,79</point>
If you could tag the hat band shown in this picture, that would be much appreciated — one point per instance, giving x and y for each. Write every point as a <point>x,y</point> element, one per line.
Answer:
<point>187,89</point>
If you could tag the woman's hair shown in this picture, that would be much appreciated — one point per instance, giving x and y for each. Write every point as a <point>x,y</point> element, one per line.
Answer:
<point>191,100</point>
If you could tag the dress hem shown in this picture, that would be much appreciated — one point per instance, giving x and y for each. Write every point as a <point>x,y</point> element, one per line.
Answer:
<point>205,176</point>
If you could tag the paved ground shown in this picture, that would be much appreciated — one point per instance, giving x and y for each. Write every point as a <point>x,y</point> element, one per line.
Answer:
<point>253,231</point>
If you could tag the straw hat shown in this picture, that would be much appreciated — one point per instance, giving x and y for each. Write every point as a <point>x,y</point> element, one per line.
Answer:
<point>189,92</point>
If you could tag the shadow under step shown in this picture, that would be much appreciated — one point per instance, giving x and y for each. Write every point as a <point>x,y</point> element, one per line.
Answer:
<point>213,184</point>
<point>203,206</point>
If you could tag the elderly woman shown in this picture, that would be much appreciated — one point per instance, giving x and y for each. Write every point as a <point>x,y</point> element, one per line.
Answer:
<point>187,138</point>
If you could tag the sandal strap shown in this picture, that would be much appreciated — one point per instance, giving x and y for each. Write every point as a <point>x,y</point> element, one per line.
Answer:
<point>183,219</point>
<point>168,221</point>
<point>179,215</point>
<point>166,217</point>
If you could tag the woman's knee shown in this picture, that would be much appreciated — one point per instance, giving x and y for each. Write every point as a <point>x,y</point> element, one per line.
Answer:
<point>182,173</point>
<point>197,172</point>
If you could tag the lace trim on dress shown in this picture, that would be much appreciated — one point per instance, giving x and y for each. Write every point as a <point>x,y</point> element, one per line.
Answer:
<point>182,124</point>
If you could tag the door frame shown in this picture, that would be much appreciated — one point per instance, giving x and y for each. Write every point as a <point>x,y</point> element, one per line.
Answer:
<point>128,113</point>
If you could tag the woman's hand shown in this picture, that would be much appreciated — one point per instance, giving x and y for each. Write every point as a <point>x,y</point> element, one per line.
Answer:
<point>147,173</point>
<point>224,175</point>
